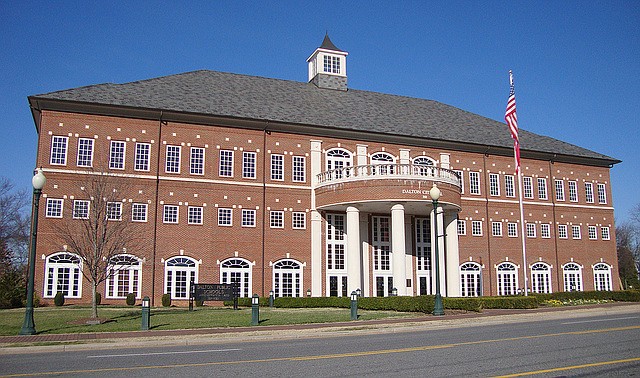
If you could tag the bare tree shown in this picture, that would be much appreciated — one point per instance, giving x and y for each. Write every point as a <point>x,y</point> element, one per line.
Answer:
<point>14,220</point>
<point>99,231</point>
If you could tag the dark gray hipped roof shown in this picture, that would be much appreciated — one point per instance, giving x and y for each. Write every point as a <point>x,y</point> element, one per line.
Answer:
<point>212,93</point>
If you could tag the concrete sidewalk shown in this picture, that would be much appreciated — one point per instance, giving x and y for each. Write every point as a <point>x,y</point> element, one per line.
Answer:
<point>109,340</point>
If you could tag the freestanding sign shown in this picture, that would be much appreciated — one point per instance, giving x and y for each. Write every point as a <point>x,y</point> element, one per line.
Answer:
<point>214,292</point>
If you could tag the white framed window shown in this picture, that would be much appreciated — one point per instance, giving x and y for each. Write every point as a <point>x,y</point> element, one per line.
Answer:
<point>423,255</point>
<point>602,193</point>
<point>80,209</point>
<point>276,219</point>
<point>542,188</point>
<point>248,218</point>
<point>604,233</point>
<point>572,274</point>
<point>575,232</point>
<point>170,214</point>
<point>225,216</point>
<point>461,177</point>
<point>335,243</point>
<point>299,170</point>
<point>476,228</point>
<point>527,187</point>
<point>563,231</point>
<point>139,212</point>
<point>196,161</point>
<point>117,153</point>
<point>114,211</point>
<point>172,163</point>
<point>226,163</point>
<point>507,273</point>
<point>179,274</point>
<point>299,220</point>
<point>143,157</point>
<point>277,167</point>
<point>331,64</point>
<point>474,183</point>
<point>602,277</point>
<point>496,228</point>
<point>194,214</point>
<point>541,278</point>
<point>559,190</point>
<point>462,227</point>
<point>54,207</point>
<point>494,184</point>
<point>512,229</point>
<point>237,271</point>
<point>248,164</point>
<point>545,230</point>
<point>287,278</point>
<point>509,187</point>
<point>470,279</point>
<point>338,162</point>
<point>382,263</point>
<point>593,232</point>
<point>573,191</point>
<point>58,150</point>
<point>62,275</point>
<point>382,163</point>
<point>531,230</point>
<point>588,192</point>
<point>85,152</point>
<point>125,276</point>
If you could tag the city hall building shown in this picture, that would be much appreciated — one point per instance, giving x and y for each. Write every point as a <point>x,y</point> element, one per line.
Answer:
<point>314,188</point>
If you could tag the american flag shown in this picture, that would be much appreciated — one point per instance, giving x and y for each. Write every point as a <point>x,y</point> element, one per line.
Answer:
<point>512,121</point>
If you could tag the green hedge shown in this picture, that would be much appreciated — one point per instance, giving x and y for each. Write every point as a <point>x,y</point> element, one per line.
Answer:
<point>425,303</point>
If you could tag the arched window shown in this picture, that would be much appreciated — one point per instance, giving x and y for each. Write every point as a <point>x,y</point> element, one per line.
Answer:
<point>382,163</point>
<point>572,273</point>
<point>507,278</point>
<point>541,278</point>
<point>237,271</point>
<point>423,166</point>
<point>287,278</point>
<point>125,276</point>
<point>338,161</point>
<point>470,279</point>
<point>179,273</point>
<point>602,276</point>
<point>62,274</point>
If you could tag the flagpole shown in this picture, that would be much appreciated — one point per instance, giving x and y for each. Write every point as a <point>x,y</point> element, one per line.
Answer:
<point>512,121</point>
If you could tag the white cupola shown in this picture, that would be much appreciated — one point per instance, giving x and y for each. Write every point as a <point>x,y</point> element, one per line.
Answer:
<point>328,66</point>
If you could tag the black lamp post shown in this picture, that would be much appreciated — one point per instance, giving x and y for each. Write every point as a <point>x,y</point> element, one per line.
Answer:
<point>438,308</point>
<point>29,326</point>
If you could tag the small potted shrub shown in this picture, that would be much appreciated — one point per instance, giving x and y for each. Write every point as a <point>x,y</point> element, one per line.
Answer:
<point>166,300</point>
<point>131,299</point>
<point>58,300</point>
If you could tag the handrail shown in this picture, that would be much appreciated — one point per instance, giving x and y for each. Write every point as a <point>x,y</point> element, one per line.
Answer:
<point>374,171</point>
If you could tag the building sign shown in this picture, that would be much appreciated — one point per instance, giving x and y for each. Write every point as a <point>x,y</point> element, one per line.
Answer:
<point>214,292</point>
<point>423,192</point>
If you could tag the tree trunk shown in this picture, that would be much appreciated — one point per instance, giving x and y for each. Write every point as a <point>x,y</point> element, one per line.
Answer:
<point>94,304</point>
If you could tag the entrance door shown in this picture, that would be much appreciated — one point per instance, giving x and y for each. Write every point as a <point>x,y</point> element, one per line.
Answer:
<point>423,255</point>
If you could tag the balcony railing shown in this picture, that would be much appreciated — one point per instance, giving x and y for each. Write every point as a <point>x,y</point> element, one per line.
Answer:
<point>389,171</point>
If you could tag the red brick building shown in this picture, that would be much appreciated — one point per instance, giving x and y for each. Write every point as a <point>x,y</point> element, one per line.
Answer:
<point>315,189</point>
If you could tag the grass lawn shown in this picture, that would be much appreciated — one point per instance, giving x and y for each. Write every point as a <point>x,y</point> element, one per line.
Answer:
<point>53,320</point>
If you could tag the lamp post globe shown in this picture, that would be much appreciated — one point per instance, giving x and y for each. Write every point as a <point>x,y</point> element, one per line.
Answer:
<point>435,193</point>
<point>38,181</point>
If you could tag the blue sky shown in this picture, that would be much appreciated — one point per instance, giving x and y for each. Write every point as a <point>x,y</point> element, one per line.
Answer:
<point>576,63</point>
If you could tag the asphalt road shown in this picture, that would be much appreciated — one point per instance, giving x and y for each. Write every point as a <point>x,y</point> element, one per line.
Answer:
<point>600,345</point>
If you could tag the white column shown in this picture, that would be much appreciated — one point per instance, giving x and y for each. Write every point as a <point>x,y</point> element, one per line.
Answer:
<point>397,249</point>
<point>365,247</point>
<point>316,254</point>
<point>354,255</point>
<point>436,237</point>
<point>453,255</point>
<point>316,222</point>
